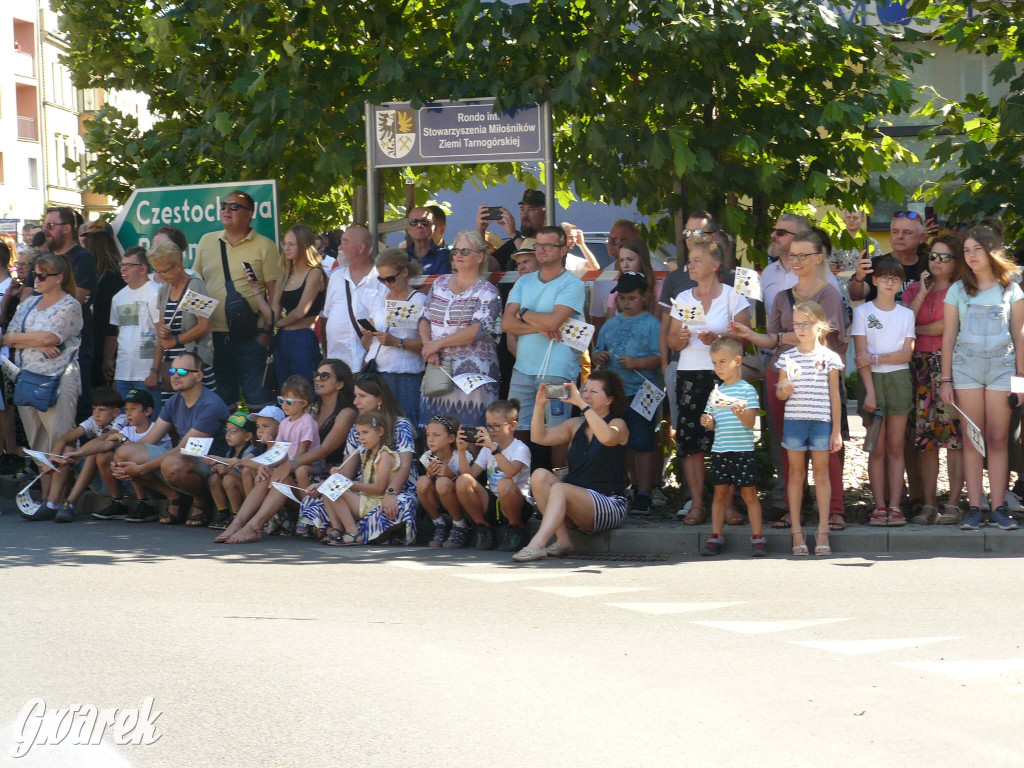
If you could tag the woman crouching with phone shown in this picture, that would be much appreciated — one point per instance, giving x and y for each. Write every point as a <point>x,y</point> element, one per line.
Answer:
<point>593,494</point>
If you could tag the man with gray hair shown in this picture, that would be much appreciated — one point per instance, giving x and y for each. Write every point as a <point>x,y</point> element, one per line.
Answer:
<point>351,291</point>
<point>908,232</point>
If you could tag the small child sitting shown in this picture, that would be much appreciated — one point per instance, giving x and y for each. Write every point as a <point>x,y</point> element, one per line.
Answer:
<point>226,488</point>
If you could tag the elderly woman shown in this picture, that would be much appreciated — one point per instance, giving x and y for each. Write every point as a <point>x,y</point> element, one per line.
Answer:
<point>179,330</point>
<point>395,348</point>
<point>695,375</point>
<point>592,497</point>
<point>807,253</point>
<point>459,329</point>
<point>44,337</point>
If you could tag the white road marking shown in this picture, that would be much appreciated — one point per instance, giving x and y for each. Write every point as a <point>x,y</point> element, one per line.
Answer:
<point>763,627</point>
<point>661,609</point>
<point>517,575</point>
<point>858,647</point>
<point>967,670</point>
<point>588,591</point>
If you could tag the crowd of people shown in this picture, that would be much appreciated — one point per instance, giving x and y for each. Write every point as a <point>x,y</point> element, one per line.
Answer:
<point>320,390</point>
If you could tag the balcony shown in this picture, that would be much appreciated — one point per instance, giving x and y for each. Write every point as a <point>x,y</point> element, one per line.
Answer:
<point>27,129</point>
<point>24,64</point>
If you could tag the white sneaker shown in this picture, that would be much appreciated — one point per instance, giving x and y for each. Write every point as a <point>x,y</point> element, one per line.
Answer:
<point>1013,503</point>
<point>658,498</point>
<point>685,510</point>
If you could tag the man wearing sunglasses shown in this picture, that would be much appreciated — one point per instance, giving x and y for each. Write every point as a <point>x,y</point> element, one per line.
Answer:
<point>908,232</point>
<point>192,411</point>
<point>60,228</point>
<point>419,243</point>
<point>238,364</point>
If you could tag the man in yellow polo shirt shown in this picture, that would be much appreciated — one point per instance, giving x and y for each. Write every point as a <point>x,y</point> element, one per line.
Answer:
<point>239,364</point>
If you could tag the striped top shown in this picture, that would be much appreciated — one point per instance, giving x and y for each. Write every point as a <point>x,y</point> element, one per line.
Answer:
<point>730,433</point>
<point>810,400</point>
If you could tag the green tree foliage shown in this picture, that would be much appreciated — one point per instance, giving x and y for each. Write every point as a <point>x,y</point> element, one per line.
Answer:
<point>984,136</point>
<point>747,107</point>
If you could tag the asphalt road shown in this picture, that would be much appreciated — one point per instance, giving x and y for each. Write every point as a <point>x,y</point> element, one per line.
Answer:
<point>292,654</point>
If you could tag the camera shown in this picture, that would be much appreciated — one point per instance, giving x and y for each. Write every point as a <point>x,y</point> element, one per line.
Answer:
<point>556,391</point>
<point>494,213</point>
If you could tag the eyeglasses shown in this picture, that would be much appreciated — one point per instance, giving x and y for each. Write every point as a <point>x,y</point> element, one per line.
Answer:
<point>389,280</point>
<point>803,256</point>
<point>907,215</point>
<point>780,232</point>
<point>802,326</point>
<point>50,225</point>
<point>164,271</point>
<point>234,207</point>
<point>22,264</point>
<point>549,246</point>
<point>615,240</point>
<point>942,258</point>
<point>322,375</point>
<point>290,401</point>
<point>890,280</point>
<point>126,264</point>
<point>41,276</point>
<point>464,251</point>
<point>496,427</point>
<point>420,222</point>
<point>182,371</point>
<point>697,232</point>
<point>232,431</point>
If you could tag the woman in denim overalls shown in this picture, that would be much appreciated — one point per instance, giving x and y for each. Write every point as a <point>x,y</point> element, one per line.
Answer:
<point>982,348</point>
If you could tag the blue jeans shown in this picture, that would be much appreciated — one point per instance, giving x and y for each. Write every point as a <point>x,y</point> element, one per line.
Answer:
<point>239,367</point>
<point>123,387</point>
<point>296,353</point>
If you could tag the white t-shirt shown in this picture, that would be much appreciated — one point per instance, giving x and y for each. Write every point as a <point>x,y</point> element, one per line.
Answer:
<point>395,359</point>
<point>92,430</point>
<point>343,342</point>
<point>696,356</point>
<point>516,451</point>
<point>453,462</point>
<point>133,310</point>
<point>884,332</point>
<point>811,400</point>
<point>133,436</point>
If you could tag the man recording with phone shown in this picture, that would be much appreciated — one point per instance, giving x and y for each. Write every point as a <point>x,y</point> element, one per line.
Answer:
<point>532,216</point>
<point>539,304</point>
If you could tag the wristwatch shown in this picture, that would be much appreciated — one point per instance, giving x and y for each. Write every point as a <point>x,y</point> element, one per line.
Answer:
<point>154,370</point>
<point>401,343</point>
<point>295,463</point>
<point>496,451</point>
<point>390,492</point>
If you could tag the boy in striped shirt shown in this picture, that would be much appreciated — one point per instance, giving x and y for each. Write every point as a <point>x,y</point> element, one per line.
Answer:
<point>731,412</point>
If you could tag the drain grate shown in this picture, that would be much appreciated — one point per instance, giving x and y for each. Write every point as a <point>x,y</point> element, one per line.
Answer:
<point>607,556</point>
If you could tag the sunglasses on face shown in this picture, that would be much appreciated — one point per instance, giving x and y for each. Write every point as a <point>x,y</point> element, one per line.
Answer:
<point>289,401</point>
<point>908,215</point>
<point>419,222</point>
<point>182,371</point>
<point>780,232</point>
<point>388,280</point>
<point>942,258</point>
<point>234,207</point>
<point>322,375</point>
<point>41,276</point>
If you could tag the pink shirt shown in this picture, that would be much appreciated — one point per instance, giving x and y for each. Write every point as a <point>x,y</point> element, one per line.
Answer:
<point>930,311</point>
<point>295,432</point>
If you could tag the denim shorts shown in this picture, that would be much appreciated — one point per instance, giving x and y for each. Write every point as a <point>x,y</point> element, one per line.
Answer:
<point>641,430</point>
<point>799,435</point>
<point>981,372</point>
<point>523,387</point>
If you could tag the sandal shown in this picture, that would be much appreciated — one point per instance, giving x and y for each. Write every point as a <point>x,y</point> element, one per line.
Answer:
<point>177,516</point>
<point>950,515</point>
<point>836,522</point>
<point>927,516</point>
<point>783,522</point>
<point>696,516</point>
<point>800,549</point>
<point>350,539</point>
<point>735,518</point>
<point>821,549</point>
<point>332,537</point>
<point>198,517</point>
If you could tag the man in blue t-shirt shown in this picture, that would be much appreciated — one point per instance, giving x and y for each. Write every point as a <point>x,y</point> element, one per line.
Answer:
<point>539,304</point>
<point>192,411</point>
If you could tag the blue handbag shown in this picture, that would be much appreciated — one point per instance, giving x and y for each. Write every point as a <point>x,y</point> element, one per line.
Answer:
<point>35,389</point>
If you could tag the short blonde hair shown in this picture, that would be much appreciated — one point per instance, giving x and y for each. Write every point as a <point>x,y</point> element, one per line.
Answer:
<point>478,243</point>
<point>165,252</point>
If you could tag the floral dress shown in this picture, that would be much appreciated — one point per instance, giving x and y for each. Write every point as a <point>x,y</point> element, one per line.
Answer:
<point>447,313</point>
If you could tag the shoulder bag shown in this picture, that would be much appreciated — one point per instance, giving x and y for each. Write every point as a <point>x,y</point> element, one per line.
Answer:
<point>243,321</point>
<point>35,390</point>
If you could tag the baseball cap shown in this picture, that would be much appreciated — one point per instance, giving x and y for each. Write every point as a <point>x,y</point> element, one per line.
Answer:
<point>140,396</point>
<point>241,420</point>
<point>630,281</point>
<point>269,412</point>
<point>533,198</point>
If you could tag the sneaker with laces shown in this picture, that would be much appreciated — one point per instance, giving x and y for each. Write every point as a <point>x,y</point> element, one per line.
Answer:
<point>715,545</point>
<point>896,518</point>
<point>685,510</point>
<point>484,537</point>
<point>658,499</point>
<point>1013,502</point>
<point>1001,520</point>
<point>142,513</point>
<point>116,511</point>
<point>973,520</point>
<point>758,546</point>
<point>65,513</point>
<point>440,533</point>
<point>880,517</point>
<point>456,539</point>
<point>42,512</point>
<point>641,505</point>
<point>513,540</point>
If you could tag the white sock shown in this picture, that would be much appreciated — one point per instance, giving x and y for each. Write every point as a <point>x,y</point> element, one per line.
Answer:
<point>459,523</point>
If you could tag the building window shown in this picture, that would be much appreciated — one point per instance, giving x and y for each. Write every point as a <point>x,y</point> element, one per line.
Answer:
<point>33,173</point>
<point>1,167</point>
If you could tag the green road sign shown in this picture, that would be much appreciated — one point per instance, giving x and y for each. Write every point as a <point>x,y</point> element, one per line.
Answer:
<point>194,209</point>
